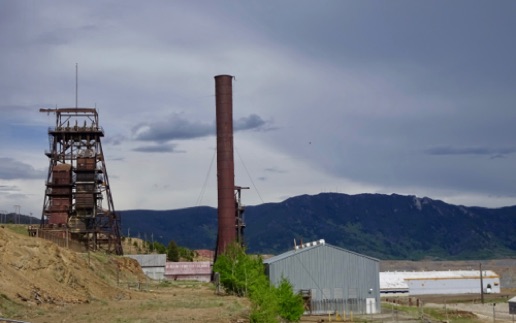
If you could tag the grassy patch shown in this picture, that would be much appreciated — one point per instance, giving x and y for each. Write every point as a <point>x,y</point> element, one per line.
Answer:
<point>235,307</point>
<point>452,316</point>
<point>153,305</point>
<point>193,303</point>
<point>9,308</point>
<point>18,228</point>
<point>432,313</point>
<point>165,283</point>
<point>187,284</point>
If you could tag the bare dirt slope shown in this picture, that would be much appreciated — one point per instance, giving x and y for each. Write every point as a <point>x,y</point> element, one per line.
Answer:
<point>41,282</point>
<point>38,271</point>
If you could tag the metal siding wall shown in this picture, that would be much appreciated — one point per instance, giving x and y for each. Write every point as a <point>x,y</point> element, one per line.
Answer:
<point>495,284</point>
<point>157,273</point>
<point>450,286</point>
<point>327,268</point>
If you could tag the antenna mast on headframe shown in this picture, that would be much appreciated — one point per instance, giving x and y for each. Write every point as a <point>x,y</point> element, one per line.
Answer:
<point>76,85</point>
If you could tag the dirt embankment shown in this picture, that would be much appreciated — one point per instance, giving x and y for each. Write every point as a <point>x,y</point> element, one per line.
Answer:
<point>36,272</point>
<point>41,282</point>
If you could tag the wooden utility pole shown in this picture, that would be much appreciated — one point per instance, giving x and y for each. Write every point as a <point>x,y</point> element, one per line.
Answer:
<point>481,285</point>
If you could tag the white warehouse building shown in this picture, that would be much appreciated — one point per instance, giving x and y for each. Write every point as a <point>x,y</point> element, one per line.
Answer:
<point>438,282</point>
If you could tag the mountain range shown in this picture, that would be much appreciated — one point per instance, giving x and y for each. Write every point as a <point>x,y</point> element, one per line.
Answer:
<point>381,226</point>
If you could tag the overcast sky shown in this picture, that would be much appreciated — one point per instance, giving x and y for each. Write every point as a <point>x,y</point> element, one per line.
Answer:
<point>407,97</point>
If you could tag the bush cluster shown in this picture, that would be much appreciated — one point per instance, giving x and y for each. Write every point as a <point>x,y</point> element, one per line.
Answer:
<point>243,275</point>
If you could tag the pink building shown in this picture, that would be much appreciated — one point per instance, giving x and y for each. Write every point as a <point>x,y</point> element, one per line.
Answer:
<point>199,271</point>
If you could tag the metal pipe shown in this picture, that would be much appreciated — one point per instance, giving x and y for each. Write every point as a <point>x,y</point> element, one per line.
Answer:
<point>225,162</point>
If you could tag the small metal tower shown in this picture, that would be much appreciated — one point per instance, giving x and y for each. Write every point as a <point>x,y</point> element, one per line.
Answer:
<point>240,223</point>
<point>78,204</point>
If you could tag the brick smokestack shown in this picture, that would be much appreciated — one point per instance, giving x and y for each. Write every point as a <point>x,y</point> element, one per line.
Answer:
<point>225,163</point>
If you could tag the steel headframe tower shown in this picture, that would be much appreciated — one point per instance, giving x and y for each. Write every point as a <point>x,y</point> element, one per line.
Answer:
<point>230,221</point>
<point>77,183</point>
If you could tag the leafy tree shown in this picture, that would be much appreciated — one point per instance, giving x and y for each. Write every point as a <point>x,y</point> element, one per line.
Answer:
<point>158,247</point>
<point>230,266</point>
<point>187,254</point>
<point>243,275</point>
<point>239,273</point>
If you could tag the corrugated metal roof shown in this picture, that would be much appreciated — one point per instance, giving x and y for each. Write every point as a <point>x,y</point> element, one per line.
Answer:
<point>397,279</point>
<point>152,260</point>
<point>304,249</point>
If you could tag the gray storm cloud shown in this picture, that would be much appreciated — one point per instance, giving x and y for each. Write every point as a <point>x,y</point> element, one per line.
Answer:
<point>399,96</point>
<point>490,151</point>
<point>177,127</point>
<point>11,168</point>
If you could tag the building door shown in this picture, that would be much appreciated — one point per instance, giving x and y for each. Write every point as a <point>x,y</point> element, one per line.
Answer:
<point>370,306</point>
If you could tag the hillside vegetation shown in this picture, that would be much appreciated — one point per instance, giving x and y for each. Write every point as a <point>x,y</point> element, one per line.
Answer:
<point>382,226</point>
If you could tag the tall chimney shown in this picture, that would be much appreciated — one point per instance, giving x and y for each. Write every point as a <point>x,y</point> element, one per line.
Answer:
<point>225,164</point>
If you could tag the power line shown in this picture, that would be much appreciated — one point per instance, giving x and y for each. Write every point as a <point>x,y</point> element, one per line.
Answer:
<point>249,175</point>
<point>203,189</point>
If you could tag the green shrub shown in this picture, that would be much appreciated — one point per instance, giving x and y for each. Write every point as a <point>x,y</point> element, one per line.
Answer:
<point>290,305</point>
<point>243,275</point>
<point>187,254</point>
<point>264,304</point>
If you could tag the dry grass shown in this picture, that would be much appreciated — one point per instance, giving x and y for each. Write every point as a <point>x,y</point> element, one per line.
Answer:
<point>40,282</point>
<point>164,304</point>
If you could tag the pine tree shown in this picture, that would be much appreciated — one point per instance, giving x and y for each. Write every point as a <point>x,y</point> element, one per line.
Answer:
<point>172,251</point>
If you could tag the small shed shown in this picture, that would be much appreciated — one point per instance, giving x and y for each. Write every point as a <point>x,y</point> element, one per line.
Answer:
<point>512,305</point>
<point>331,279</point>
<point>438,282</point>
<point>153,265</point>
<point>199,271</point>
